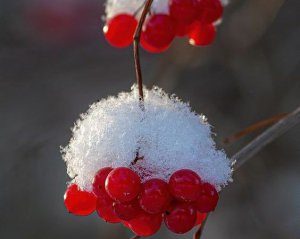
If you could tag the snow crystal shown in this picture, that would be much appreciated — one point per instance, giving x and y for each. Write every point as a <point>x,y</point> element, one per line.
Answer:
<point>167,135</point>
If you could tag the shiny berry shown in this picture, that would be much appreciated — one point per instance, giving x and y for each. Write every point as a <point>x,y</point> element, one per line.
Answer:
<point>122,184</point>
<point>127,211</point>
<point>200,218</point>
<point>145,224</point>
<point>159,31</point>
<point>119,30</point>
<point>208,198</point>
<point>155,197</point>
<point>99,180</point>
<point>180,218</point>
<point>184,185</point>
<point>201,34</point>
<point>182,11</point>
<point>79,202</point>
<point>208,11</point>
<point>105,209</point>
<point>146,46</point>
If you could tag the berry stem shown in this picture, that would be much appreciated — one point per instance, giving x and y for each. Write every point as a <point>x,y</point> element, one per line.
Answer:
<point>136,50</point>
<point>198,233</point>
<point>136,237</point>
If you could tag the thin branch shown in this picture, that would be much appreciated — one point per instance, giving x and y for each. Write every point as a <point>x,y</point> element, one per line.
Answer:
<point>200,229</point>
<point>136,50</point>
<point>265,138</point>
<point>136,237</point>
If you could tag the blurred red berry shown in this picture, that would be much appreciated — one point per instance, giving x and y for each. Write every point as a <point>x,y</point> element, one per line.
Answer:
<point>159,31</point>
<point>127,211</point>
<point>99,180</point>
<point>155,197</point>
<point>200,218</point>
<point>208,11</point>
<point>145,224</point>
<point>122,184</point>
<point>184,185</point>
<point>182,11</point>
<point>105,209</point>
<point>180,218</point>
<point>150,48</point>
<point>201,34</point>
<point>79,202</point>
<point>120,29</point>
<point>208,198</point>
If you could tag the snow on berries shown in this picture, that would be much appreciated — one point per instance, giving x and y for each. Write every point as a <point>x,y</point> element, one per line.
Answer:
<point>144,166</point>
<point>167,19</point>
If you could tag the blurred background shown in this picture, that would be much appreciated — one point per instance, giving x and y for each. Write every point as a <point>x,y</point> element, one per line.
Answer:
<point>54,62</point>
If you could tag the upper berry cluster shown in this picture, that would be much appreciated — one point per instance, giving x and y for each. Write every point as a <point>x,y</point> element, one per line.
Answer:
<point>167,19</point>
<point>119,196</point>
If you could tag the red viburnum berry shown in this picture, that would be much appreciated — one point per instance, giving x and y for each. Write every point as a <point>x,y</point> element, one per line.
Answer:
<point>208,11</point>
<point>99,180</point>
<point>146,46</point>
<point>79,202</point>
<point>119,30</point>
<point>182,11</point>
<point>155,197</point>
<point>184,185</point>
<point>200,218</point>
<point>208,199</point>
<point>105,209</point>
<point>127,211</point>
<point>180,218</point>
<point>159,31</point>
<point>145,224</point>
<point>122,184</point>
<point>201,34</point>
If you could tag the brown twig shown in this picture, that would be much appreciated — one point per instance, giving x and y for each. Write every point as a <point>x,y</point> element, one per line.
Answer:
<point>265,138</point>
<point>200,229</point>
<point>136,50</point>
<point>136,237</point>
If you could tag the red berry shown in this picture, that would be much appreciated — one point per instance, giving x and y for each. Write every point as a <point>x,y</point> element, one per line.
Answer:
<point>181,218</point>
<point>127,211</point>
<point>146,224</point>
<point>181,29</point>
<point>200,218</point>
<point>208,11</point>
<point>159,31</point>
<point>122,184</point>
<point>119,30</point>
<point>201,34</point>
<point>79,202</point>
<point>105,209</point>
<point>184,185</point>
<point>208,198</point>
<point>150,48</point>
<point>182,11</point>
<point>99,181</point>
<point>155,196</point>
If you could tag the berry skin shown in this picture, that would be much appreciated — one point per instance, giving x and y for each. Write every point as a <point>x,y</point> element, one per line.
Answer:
<point>181,218</point>
<point>155,197</point>
<point>159,31</point>
<point>105,209</point>
<point>208,11</point>
<point>208,198</point>
<point>182,11</point>
<point>80,203</point>
<point>184,185</point>
<point>119,30</point>
<point>150,48</point>
<point>201,34</point>
<point>99,181</point>
<point>127,211</point>
<point>145,224</point>
<point>200,218</point>
<point>122,184</point>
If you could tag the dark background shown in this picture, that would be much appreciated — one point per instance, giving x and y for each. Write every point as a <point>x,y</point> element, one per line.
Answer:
<point>51,72</point>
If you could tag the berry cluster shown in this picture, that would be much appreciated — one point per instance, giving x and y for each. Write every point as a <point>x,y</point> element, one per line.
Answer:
<point>119,196</point>
<point>192,18</point>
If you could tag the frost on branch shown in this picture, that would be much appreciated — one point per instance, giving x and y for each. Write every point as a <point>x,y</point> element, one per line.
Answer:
<point>167,135</point>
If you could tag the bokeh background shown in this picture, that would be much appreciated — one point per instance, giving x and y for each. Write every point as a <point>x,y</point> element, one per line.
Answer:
<point>54,62</point>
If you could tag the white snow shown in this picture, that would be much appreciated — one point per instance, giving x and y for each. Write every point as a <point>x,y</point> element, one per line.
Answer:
<point>167,134</point>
